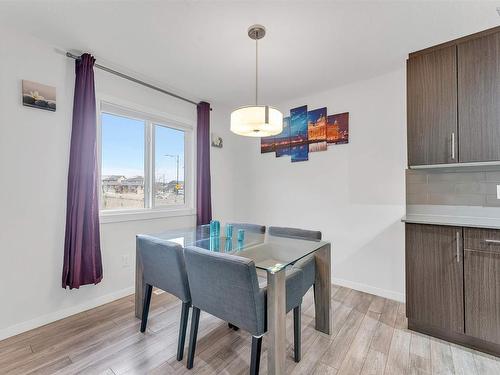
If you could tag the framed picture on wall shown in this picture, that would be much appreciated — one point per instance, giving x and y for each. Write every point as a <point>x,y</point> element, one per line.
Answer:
<point>216,141</point>
<point>39,96</point>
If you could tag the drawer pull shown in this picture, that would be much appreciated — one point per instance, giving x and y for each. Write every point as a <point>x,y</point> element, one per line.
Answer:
<point>496,242</point>
<point>458,247</point>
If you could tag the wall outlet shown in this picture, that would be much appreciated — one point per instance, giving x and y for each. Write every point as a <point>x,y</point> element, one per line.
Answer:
<point>498,191</point>
<point>125,261</point>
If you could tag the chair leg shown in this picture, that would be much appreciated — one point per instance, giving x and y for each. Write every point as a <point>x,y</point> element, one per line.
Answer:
<point>145,307</point>
<point>195,320</point>
<point>255,357</point>
<point>296,333</point>
<point>182,330</point>
<point>233,327</point>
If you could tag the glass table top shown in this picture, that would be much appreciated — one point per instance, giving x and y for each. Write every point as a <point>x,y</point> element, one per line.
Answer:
<point>270,253</point>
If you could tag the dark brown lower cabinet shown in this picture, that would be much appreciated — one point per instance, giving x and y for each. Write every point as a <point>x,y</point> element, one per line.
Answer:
<point>482,284</point>
<point>453,284</point>
<point>434,276</point>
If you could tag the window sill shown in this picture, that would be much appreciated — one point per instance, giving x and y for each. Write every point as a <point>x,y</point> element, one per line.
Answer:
<point>106,217</point>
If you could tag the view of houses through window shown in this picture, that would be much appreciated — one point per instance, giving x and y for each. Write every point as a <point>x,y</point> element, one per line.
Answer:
<point>125,160</point>
<point>169,166</point>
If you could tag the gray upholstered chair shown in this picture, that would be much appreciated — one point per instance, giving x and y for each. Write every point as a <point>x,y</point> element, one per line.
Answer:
<point>256,228</point>
<point>164,268</point>
<point>253,228</point>
<point>307,264</point>
<point>226,286</point>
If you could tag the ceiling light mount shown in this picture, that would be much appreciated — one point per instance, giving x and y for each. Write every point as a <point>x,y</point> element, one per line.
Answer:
<point>256,32</point>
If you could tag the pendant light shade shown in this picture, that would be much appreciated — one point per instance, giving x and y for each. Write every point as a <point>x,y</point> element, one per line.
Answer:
<point>256,120</point>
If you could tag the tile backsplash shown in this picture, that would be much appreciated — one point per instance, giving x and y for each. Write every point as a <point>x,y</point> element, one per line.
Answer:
<point>464,188</point>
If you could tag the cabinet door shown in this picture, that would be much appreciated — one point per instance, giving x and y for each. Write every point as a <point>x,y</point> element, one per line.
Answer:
<point>482,284</point>
<point>432,107</point>
<point>434,276</point>
<point>479,99</point>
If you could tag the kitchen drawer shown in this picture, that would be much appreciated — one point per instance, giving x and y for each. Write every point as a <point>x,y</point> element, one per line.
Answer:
<point>487,240</point>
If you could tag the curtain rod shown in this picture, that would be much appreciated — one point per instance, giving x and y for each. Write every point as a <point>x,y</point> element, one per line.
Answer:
<point>106,69</point>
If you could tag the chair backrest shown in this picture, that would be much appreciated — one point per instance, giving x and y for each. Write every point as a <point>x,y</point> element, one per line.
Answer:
<point>256,228</point>
<point>226,286</point>
<point>164,266</point>
<point>295,233</point>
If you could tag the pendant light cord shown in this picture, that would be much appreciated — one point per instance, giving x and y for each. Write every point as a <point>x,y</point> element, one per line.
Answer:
<point>256,67</point>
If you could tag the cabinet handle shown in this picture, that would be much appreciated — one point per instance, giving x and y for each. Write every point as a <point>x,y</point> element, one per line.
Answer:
<point>458,247</point>
<point>497,242</point>
<point>453,146</point>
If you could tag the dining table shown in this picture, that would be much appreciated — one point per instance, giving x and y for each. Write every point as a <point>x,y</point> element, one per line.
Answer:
<point>272,254</point>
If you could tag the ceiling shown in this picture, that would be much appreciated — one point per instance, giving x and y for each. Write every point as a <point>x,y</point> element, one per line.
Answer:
<point>201,48</point>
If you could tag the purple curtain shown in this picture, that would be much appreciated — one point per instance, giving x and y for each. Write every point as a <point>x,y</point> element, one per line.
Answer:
<point>203,193</point>
<point>82,249</point>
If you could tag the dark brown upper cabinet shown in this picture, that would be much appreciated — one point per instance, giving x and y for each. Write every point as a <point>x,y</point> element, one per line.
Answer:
<point>434,276</point>
<point>479,99</point>
<point>432,107</point>
<point>453,101</point>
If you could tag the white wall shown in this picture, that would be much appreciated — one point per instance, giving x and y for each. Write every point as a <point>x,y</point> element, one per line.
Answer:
<point>354,193</point>
<point>230,170</point>
<point>34,151</point>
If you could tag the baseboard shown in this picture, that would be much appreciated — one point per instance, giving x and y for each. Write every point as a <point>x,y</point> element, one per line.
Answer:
<point>390,294</point>
<point>64,313</point>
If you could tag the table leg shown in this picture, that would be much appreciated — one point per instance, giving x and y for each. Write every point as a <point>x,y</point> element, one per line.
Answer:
<point>139,285</point>
<point>276,321</point>
<point>322,289</point>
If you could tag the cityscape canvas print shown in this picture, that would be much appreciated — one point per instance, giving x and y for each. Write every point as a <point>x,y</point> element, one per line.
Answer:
<point>316,129</point>
<point>338,128</point>
<point>307,131</point>
<point>299,148</point>
<point>282,141</point>
<point>39,96</point>
<point>267,145</point>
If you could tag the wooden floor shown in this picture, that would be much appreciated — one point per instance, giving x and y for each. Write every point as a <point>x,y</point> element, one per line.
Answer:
<point>369,337</point>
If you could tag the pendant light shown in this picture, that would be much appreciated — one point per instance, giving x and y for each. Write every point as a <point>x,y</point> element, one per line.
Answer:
<point>256,120</point>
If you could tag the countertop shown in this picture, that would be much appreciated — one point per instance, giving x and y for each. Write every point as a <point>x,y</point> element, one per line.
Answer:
<point>474,217</point>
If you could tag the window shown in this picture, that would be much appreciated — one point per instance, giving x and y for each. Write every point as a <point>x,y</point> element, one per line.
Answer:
<point>145,161</point>
<point>169,166</point>
<point>122,169</point>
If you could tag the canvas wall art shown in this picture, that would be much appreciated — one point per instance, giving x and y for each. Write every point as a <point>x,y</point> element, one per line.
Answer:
<point>39,96</point>
<point>337,129</point>
<point>299,150</point>
<point>216,141</point>
<point>316,129</point>
<point>267,145</point>
<point>307,131</point>
<point>282,140</point>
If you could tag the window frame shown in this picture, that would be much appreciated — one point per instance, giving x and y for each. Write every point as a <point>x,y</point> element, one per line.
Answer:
<point>151,119</point>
